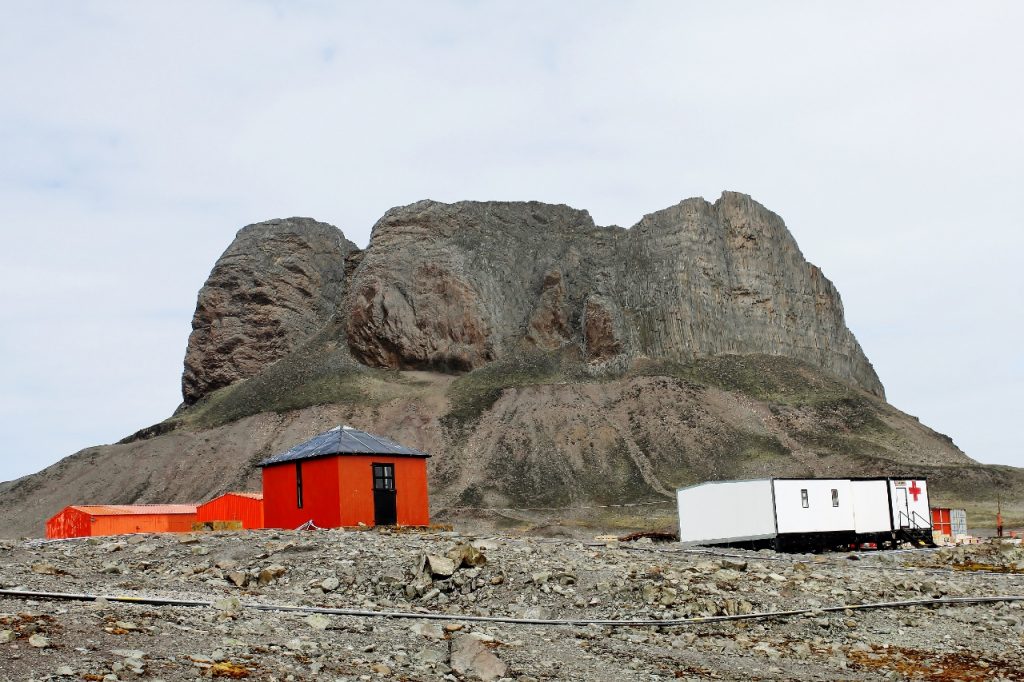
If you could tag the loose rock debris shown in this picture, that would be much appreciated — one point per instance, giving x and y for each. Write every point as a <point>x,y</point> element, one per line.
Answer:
<point>448,573</point>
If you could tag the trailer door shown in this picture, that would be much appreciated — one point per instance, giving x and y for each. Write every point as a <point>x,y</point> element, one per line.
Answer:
<point>901,509</point>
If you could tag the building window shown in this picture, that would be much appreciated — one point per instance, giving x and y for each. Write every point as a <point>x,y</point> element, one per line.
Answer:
<point>803,498</point>
<point>383,476</point>
<point>298,485</point>
<point>835,497</point>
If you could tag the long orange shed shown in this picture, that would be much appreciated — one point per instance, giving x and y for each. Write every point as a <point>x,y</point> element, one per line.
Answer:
<point>344,477</point>
<point>84,520</point>
<point>244,507</point>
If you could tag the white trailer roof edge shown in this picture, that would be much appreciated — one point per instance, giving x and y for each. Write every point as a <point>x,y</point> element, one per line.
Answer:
<point>732,480</point>
<point>804,478</point>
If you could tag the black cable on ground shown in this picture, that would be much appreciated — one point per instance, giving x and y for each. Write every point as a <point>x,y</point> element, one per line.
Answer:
<point>364,613</point>
<point>839,560</point>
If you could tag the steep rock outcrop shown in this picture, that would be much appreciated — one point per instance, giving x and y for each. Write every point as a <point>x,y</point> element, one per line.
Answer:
<point>602,334</point>
<point>454,286</point>
<point>705,279</point>
<point>278,282</point>
<point>549,324</point>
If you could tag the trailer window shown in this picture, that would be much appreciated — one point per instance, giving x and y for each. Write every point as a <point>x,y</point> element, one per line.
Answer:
<point>835,497</point>
<point>803,498</point>
<point>298,485</point>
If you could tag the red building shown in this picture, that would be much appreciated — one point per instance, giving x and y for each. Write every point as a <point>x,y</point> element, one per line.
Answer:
<point>84,520</point>
<point>244,507</point>
<point>344,477</point>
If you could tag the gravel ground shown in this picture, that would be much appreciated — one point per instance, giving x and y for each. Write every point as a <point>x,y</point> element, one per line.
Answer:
<point>518,577</point>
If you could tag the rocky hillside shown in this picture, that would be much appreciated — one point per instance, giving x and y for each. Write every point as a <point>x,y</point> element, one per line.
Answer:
<point>544,361</point>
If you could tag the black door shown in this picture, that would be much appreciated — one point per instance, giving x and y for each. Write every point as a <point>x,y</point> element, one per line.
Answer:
<point>384,512</point>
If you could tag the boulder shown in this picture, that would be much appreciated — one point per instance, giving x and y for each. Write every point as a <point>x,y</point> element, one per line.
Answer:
<point>439,565</point>
<point>471,658</point>
<point>464,554</point>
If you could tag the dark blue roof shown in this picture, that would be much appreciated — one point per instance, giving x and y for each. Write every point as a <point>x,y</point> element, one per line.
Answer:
<point>344,440</point>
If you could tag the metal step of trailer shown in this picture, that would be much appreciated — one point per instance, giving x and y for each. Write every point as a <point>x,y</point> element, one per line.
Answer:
<point>905,535</point>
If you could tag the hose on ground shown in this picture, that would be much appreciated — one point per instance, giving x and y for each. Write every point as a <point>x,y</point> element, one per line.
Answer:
<point>365,613</point>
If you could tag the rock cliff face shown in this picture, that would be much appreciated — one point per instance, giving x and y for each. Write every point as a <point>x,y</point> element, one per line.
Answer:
<point>279,282</point>
<point>455,286</point>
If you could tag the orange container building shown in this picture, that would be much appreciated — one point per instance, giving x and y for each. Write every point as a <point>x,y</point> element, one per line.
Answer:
<point>244,507</point>
<point>950,522</point>
<point>84,520</point>
<point>344,477</point>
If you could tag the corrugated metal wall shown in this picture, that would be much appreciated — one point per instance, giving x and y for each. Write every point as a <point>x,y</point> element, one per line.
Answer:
<point>69,523</point>
<point>319,494</point>
<point>356,485</point>
<point>338,491</point>
<point>233,507</point>
<point>73,522</point>
<point>143,523</point>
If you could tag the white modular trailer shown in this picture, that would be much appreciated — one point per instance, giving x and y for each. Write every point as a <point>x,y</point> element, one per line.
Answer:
<point>801,513</point>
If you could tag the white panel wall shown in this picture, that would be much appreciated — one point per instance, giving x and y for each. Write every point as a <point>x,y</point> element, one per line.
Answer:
<point>726,510</point>
<point>919,510</point>
<point>819,516</point>
<point>958,521</point>
<point>871,506</point>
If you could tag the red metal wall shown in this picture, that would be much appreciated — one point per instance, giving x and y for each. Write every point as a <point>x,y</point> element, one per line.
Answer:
<point>319,494</point>
<point>941,521</point>
<point>75,523</point>
<point>338,491</point>
<point>143,523</point>
<point>356,475</point>
<point>232,507</point>
<point>68,523</point>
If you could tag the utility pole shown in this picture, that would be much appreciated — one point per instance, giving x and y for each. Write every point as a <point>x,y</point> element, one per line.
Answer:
<point>999,515</point>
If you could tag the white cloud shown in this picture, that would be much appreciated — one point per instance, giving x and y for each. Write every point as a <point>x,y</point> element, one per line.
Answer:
<point>137,138</point>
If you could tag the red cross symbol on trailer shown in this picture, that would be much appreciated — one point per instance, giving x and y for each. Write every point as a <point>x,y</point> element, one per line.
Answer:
<point>914,490</point>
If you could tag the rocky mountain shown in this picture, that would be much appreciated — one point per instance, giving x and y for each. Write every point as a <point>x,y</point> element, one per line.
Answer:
<point>545,361</point>
<point>452,287</point>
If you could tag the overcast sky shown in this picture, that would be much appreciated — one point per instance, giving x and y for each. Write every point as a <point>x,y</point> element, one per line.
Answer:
<point>137,138</point>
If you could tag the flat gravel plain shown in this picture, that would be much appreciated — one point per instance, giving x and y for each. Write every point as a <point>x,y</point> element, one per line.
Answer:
<point>459,575</point>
